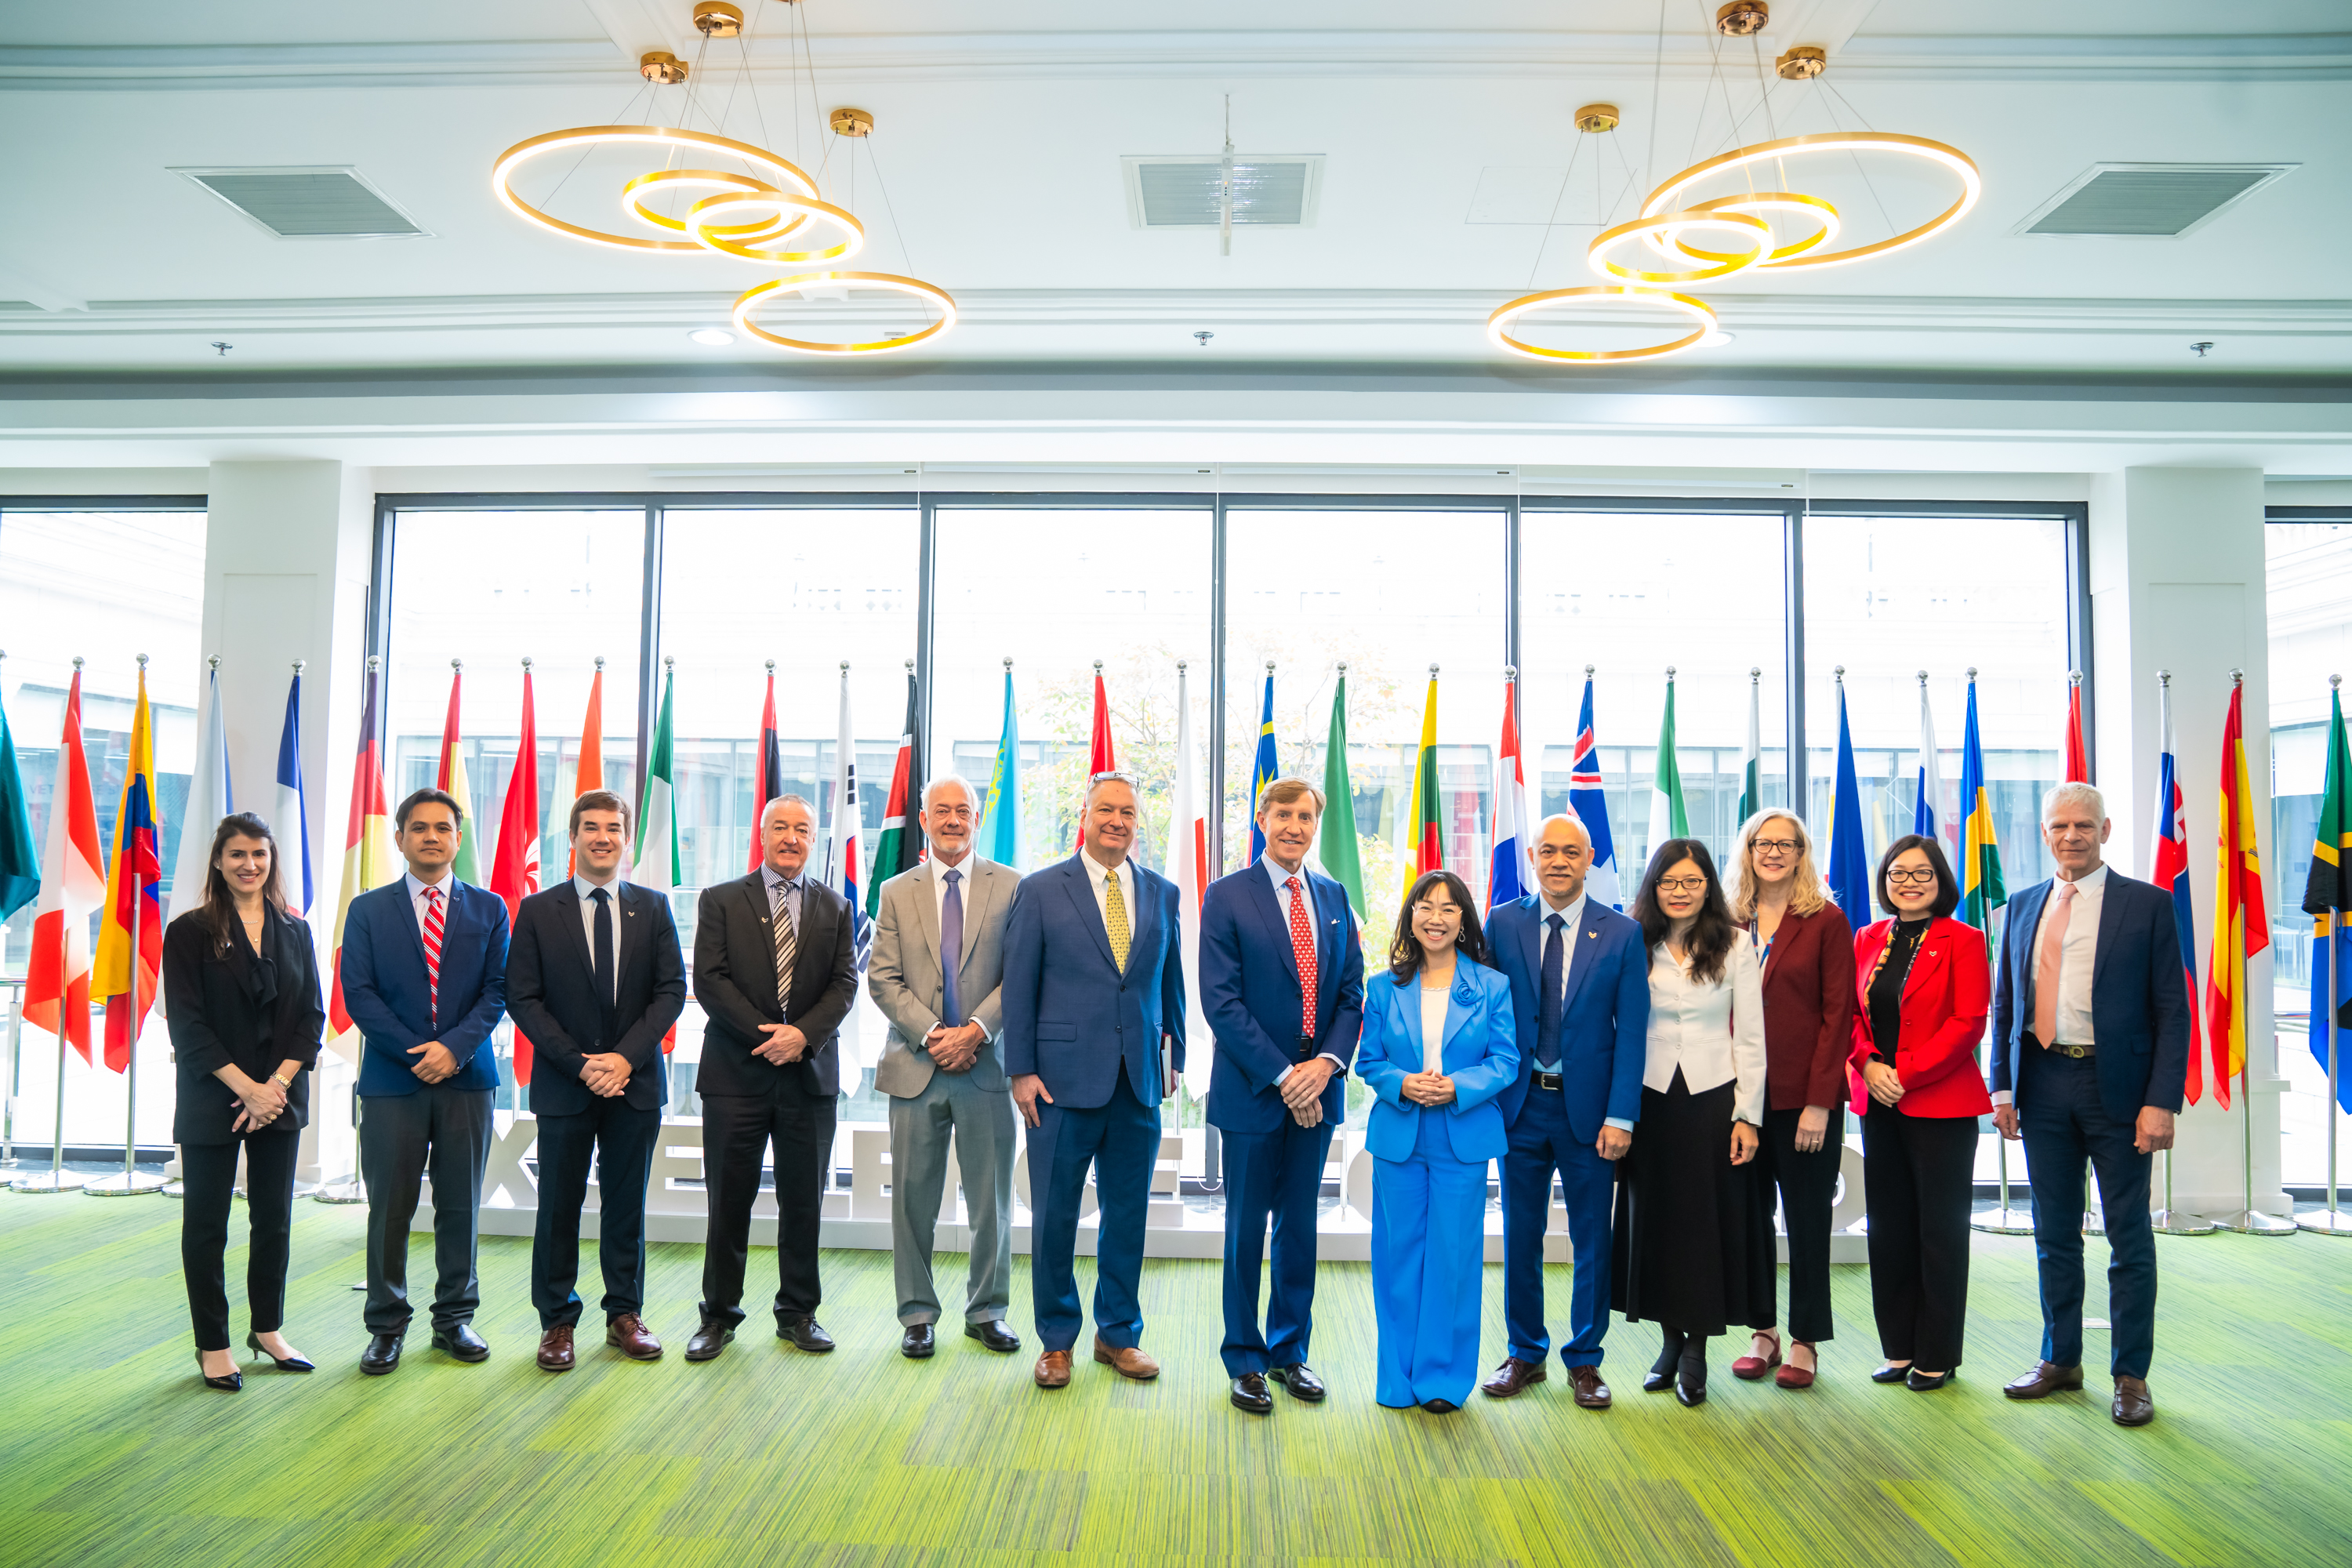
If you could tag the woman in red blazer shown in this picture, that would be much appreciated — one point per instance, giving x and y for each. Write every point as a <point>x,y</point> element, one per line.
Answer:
<point>1806,950</point>
<point>1922,992</point>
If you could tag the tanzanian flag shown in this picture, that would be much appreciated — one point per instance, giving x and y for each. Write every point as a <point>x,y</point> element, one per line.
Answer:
<point>1427,831</point>
<point>2327,895</point>
<point>1982,891</point>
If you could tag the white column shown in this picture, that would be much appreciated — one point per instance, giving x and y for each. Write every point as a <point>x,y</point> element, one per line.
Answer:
<point>2178,583</point>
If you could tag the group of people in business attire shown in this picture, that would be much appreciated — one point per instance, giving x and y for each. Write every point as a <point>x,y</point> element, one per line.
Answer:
<point>1680,1070</point>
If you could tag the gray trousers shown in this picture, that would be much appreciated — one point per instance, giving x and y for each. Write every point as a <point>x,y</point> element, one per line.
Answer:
<point>982,1122</point>
<point>402,1136</point>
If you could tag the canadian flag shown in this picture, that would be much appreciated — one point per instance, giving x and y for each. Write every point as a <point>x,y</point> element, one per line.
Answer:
<point>73,889</point>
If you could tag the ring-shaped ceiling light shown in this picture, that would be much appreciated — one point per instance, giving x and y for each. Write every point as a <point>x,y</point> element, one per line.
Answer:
<point>1665,196</point>
<point>1804,206</point>
<point>716,236</point>
<point>664,180</point>
<point>588,136</point>
<point>1504,315</point>
<point>752,298</point>
<point>1670,226</point>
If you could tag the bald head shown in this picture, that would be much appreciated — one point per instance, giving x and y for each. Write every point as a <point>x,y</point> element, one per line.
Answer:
<point>1563,854</point>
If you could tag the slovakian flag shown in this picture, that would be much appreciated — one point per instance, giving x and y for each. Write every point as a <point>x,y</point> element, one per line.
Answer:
<point>588,772</point>
<point>292,820</point>
<point>1265,766</point>
<point>1188,867</point>
<point>2241,927</point>
<point>1425,834</point>
<point>1510,871</point>
<point>210,798</point>
<point>20,865</point>
<point>1000,821</point>
<point>901,848</point>
<point>1925,820</point>
<point>2327,898</point>
<point>1588,802</point>
<point>369,859</point>
<point>1101,756</point>
<point>73,889</point>
<point>1982,889</point>
<point>1336,844</point>
<point>2078,756</point>
<point>130,937</point>
<point>1848,867</point>
<point>843,872</point>
<point>450,779</point>
<point>2169,858</point>
<point>514,875</point>
<point>768,768</point>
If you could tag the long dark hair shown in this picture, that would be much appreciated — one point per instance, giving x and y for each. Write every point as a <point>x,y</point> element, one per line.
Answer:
<point>1404,948</point>
<point>1711,934</point>
<point>1948,888</point>
<point>219,907</point>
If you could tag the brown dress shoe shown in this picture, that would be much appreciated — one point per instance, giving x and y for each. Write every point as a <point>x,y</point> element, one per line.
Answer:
<point>1590,1391</point>
<point>1510,1377</point>
<point>555,1348</point>
<point>1053,1370</point>
<point>2046,1378</point>
<point>2133,1408</point>
<point>1128,1361</point>
<point>628,1334</point>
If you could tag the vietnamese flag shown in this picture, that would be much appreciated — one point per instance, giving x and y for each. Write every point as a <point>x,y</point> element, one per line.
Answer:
<point>514,874</point>
<point>1428,840</point>
<point>73,888</point>
<point>126,978</point>
<point>2241,929</point>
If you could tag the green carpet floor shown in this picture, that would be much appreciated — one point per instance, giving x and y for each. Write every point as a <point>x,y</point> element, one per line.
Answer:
<point>110,1451</point>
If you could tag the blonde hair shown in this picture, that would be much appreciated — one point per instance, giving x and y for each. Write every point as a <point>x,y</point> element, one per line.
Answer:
<point>1808,894</point>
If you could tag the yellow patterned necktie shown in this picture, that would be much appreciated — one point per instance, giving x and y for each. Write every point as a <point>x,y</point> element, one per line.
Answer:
<point>1115,918</point>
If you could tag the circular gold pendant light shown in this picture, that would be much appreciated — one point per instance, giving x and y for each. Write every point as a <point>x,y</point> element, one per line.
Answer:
<point>665,180</point>
<point>1596,294</point>
<point>754,298</point>
<point>716,237</point>
<point>582,138</point>
<point>1795,202</point>
<point>1669,228</point>
<point>1665,198</point>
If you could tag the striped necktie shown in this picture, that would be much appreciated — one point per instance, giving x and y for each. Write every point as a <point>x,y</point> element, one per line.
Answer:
<point>781,924</point>
<point>433,931</point>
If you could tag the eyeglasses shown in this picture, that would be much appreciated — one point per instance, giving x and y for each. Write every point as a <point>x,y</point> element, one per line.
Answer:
<point>1774,846</point>
<point>1682,884</point>
<point>1918,878</point>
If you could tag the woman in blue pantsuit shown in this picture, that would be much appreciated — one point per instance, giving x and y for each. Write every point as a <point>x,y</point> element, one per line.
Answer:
<point>1439,1044</point>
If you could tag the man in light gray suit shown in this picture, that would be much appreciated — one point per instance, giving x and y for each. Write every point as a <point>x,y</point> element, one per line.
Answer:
<point>937,974</point>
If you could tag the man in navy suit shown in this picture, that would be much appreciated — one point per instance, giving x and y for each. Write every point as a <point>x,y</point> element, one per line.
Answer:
<point>2090,1052</point>
<point>595,980</point>
<point>1579,979</point>
<point>1094,1036</point>
<point>425,977</point>
<point>1282,987</point>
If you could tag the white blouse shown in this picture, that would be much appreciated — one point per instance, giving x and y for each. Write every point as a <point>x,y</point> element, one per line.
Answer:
<point>1433,1026</point>
<point>1714,1033</point>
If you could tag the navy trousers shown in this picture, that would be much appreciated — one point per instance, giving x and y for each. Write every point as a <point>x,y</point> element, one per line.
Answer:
<point>1541,1143</point>
<point>2063,1123</point>
<point>620,1138</point>
<point>1120,1139</point>
<point>1276,1176</point>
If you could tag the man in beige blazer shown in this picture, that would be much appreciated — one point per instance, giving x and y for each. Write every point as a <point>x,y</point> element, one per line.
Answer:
<point>937,974</point>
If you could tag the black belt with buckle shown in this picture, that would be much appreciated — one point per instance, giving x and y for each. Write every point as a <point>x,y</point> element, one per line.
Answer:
<point>1543,1080</point>
<point>1305,1050</point>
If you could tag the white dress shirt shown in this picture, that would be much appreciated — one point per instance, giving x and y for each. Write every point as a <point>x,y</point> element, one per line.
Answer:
<point>1571,917</point>
<point>1282,900</point>
<point>1097,873</point>
<point>446,887</point>
<point>2078,955</point>
<point>1713,1032</point>
<point>586,887</point>
<point>939,870</point>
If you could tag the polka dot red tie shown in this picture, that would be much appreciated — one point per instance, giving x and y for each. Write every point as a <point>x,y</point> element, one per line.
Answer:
<point>1302,943</point>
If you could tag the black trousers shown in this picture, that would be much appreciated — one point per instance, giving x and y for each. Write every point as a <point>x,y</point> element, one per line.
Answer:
<point>737,1133</point>
<point>619,1140</point>
<point>1919,1174</point>
<point>1807,1187</point>
<point>447,1130</point>
<point>208,1179</point>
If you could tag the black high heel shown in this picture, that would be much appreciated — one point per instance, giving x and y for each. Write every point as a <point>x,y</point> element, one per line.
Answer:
<point>232,1383</point>
<point>1661,1375</point>
<point>289,1363</point>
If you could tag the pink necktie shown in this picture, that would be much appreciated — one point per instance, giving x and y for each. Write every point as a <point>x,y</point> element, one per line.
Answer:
<point>2045,966</point>
<point>433,929</point>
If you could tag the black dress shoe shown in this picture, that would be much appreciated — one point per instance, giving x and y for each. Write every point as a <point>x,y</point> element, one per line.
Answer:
<point>1661,1375</point>
<point>1300,1379</point>
<point>805,1333</point>
<point>235,1382</point>
<point>1920,1383</point>
<point>709,1340</point>
<point>1892,1374</point>
<point>1690,1381</point>
<point>1251,1393</point>
<point>1439,1407</point>
<point>462,1342</point>
<point>916,1342</point>
<point>995,1335</point>
<point>382,1354</point>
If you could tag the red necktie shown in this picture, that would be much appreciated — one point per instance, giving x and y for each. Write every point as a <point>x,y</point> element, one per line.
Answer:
<point>1302,943</point>
<point>432,950</point>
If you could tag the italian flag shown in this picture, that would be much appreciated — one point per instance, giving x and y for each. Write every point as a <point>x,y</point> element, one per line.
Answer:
<point>1428,845</point>
<point>1668,817</point>
<point>656,859</point>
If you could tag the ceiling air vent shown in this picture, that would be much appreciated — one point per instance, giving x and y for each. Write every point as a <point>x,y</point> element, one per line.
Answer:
<point>1270,190</point>
<point>312,202</point>
<point>2149,201</point>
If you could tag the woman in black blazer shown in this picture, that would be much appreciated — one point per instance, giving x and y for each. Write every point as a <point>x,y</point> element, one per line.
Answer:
<point>241,985</point>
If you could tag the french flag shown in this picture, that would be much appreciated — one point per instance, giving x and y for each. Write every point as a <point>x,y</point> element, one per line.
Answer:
<point>2170,858</point>
<point>293,807</point>
<point>1510,872</point>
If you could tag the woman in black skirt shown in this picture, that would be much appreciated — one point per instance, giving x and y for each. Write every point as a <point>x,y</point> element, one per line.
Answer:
<point>1686,1258</point>
<point>241,984</point>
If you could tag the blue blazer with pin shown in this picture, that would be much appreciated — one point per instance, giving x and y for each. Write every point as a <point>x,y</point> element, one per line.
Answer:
<point>1481,1055</point>
<point>1246,958</point>
<point>387,995</point>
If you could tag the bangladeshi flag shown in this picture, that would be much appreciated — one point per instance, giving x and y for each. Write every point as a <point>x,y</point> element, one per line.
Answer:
<point>1427,837</point>
<point>902,844</point>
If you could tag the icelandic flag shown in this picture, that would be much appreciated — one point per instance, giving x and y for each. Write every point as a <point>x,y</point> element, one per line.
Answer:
<point>2169,858</point>
<point>1588,802</point>
<point>292,819</point>
<point>1510,874</point>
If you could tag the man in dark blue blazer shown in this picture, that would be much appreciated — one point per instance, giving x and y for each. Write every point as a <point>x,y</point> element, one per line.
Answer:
<point>2090,1053</point>
<point>1579,979</point>
<point>595,980</point>
<point>1094,1036</point>
<point>425,977</point>
<point>1282,987</point>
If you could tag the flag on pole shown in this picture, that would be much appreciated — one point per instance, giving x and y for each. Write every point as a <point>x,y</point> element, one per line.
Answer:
<point>292,820</point>
<point>655,864</point>
<point>1510,871</point>
<point>843,872</point>
<point>1000,819</point>
<point>1341,856</point>
<point>127,980</point>
<point>588,772</point>
<point>1924,819</point>
<point>2327,897</point>
<point>1188,867</point>
<point>2168,859</point>
<point>1426,840</point>
<point>2078,756</point>
<point>73,889</point>
<point>1588,802</point>
<point>370,859</point>
<point>450,779</point>
<point>901,848</point>
<point>1981,890</point>
<point>20,865</point>
<point>1669,818</point>
<point>1849,868</point>
<point>210,798</point>
<point>1751,767</point>
<point>767,768</point>
<point>1100,757</point>
<point>514,876</point>
<point>1265,768</point>
<point>2240,928</point>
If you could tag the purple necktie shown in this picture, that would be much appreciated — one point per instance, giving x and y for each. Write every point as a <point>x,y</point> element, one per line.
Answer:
<point>951,948</point>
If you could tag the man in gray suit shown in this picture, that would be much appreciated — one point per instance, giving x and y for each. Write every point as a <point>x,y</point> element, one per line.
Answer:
<point>937,974</point>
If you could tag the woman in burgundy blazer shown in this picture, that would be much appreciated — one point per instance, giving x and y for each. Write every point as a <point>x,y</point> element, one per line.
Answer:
<point>1922,992</point>
<point>1806,949</point>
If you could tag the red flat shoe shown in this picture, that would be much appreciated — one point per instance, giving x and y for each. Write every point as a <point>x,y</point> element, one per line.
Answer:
<point>1795,1377</point>
<point>1752,1367</point>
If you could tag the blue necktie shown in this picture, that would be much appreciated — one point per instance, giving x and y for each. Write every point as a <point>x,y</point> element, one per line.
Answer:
<point>1548,1012</point>
<point>951,948</point>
